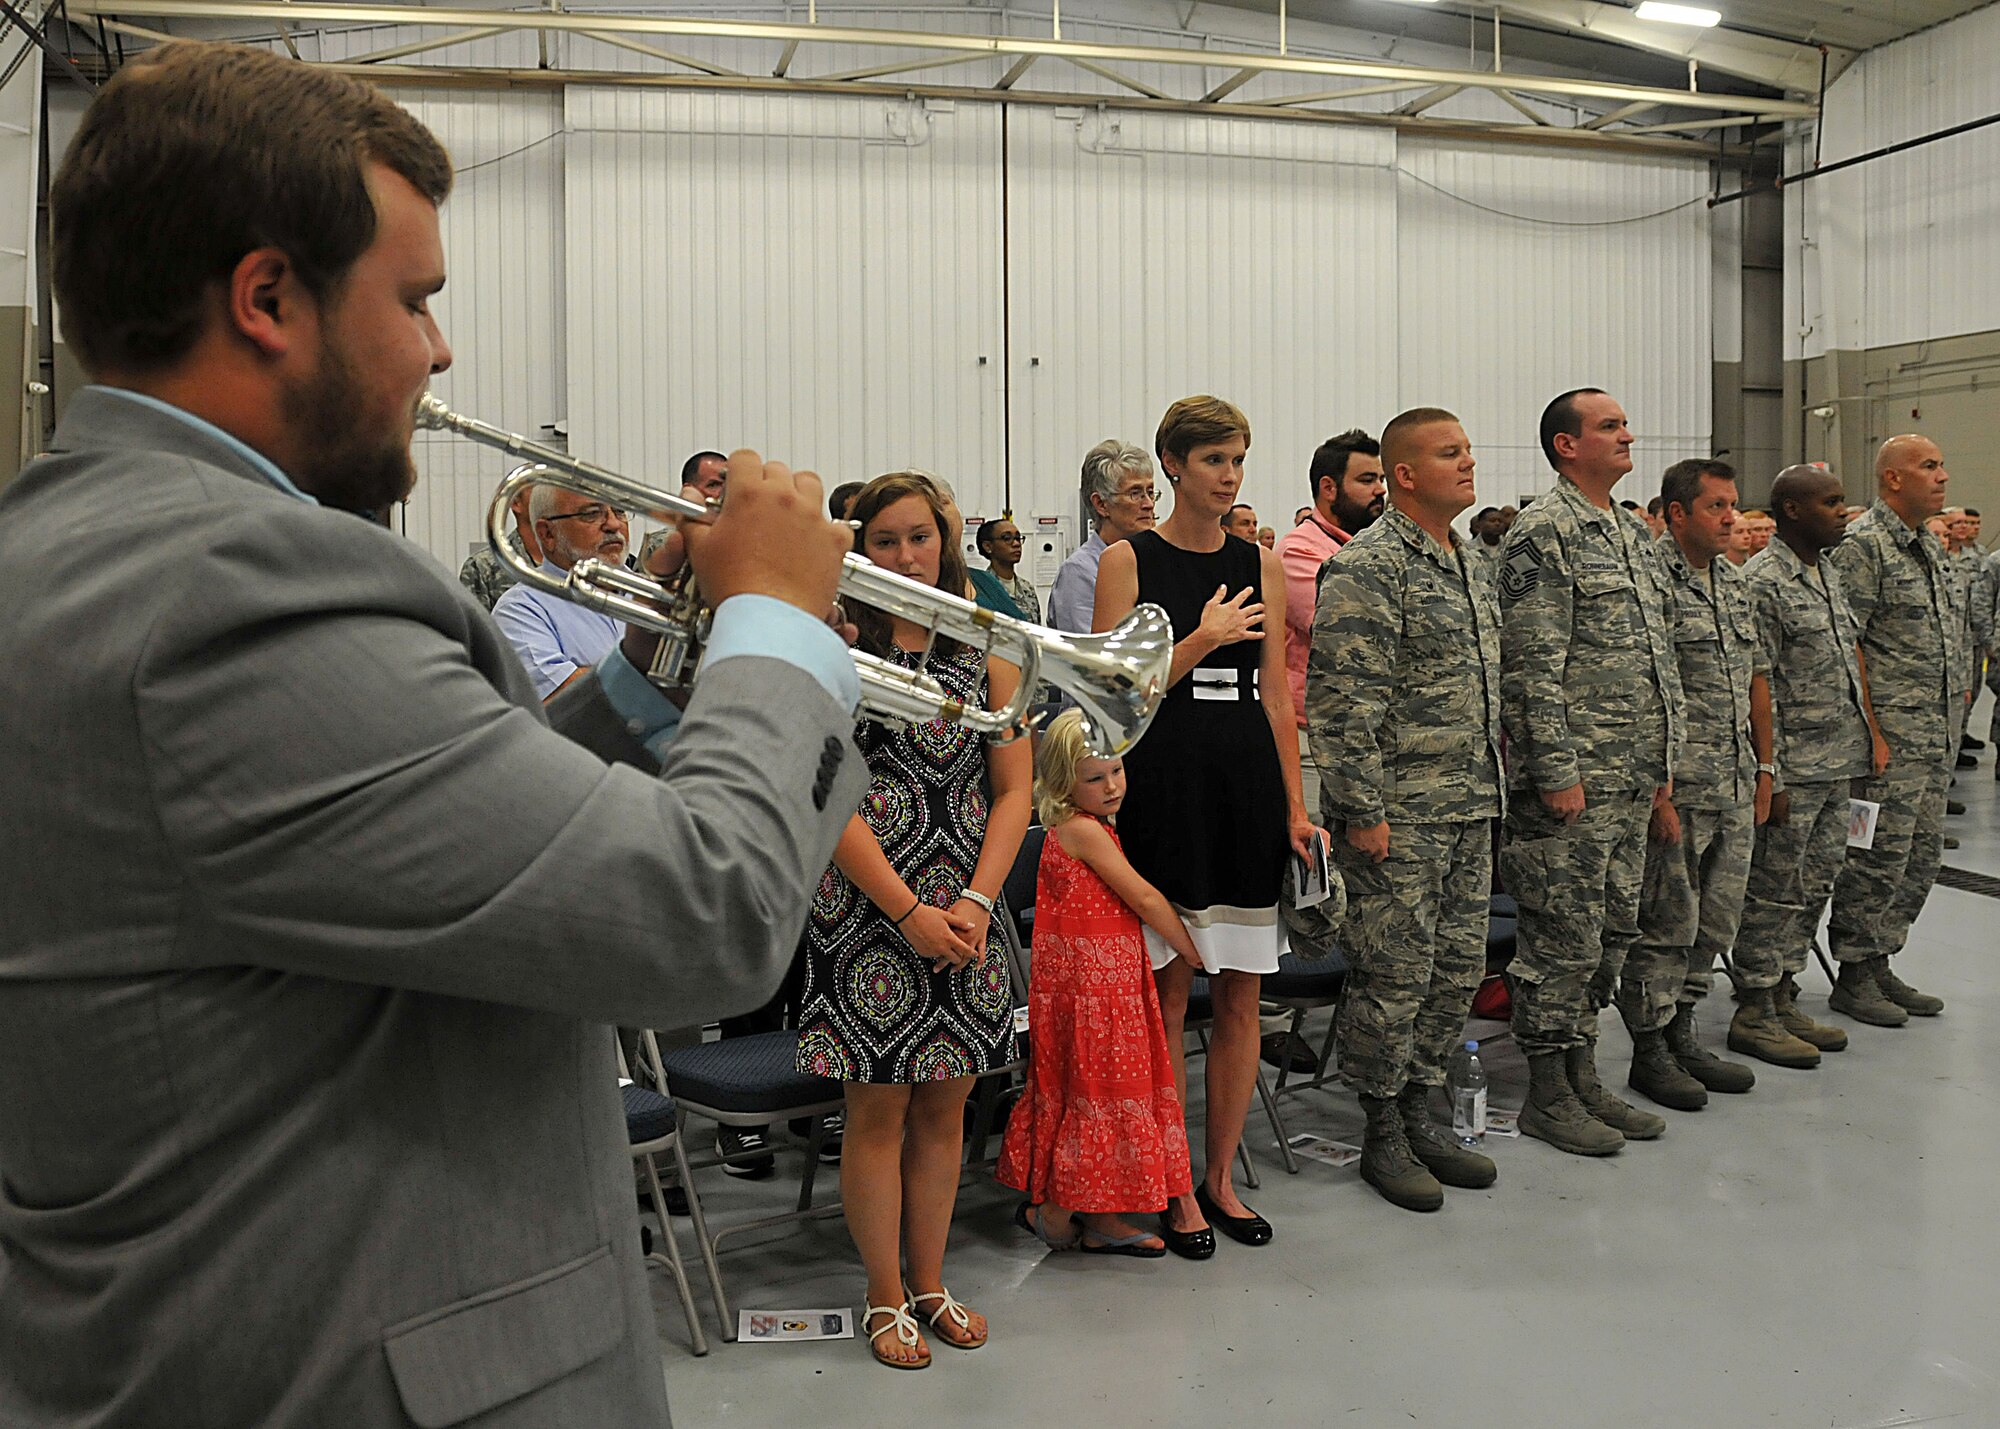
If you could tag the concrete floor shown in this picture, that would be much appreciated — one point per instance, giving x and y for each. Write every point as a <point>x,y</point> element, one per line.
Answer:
<point>1820,1252</point>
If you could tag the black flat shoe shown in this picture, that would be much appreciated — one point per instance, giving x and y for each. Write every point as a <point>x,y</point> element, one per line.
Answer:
<point>1252,1229</point>
<point>1188,1245</point>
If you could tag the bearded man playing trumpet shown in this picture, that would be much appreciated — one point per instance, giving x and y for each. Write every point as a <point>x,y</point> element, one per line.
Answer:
<point>295,841</point>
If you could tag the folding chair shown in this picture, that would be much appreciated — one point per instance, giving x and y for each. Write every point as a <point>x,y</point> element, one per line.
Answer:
<point>750,1081</point>
<point>652,1127</point>
<point>1304,983</point>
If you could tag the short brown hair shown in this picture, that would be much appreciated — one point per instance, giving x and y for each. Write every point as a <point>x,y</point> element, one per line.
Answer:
<point>1198,422</point>
<point>1396,435</point>
<point>193,156</point>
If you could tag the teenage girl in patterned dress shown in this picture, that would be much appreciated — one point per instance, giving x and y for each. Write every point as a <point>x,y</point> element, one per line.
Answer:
<point>1098,1132</point>
<point>906,995</point>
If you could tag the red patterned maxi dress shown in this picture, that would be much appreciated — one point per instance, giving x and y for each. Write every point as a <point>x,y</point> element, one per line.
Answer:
<point>1098,1128</point>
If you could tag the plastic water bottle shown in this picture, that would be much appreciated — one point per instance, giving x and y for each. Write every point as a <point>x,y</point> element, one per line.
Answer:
<point>1465,1080</point>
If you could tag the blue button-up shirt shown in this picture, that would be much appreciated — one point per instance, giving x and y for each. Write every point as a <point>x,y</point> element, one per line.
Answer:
<point>758,625</point>
<point>554,637</point>
<point>1073,598</point>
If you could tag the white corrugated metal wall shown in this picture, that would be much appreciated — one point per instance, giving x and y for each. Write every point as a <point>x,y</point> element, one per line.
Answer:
<point>813,276</point>
<point>1524,273</point>
<point>1157,255</point>
<point>1902,249</point>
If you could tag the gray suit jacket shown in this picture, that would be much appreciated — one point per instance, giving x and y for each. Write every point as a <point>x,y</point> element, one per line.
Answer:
<point>311,931</point>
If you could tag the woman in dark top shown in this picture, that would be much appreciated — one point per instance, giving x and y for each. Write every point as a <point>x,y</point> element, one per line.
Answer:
<point>1213,803</point>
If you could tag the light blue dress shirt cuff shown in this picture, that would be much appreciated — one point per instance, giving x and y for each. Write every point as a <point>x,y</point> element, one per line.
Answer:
<point>648,714</point>
<point>744,625</point>
<point>765,625</point>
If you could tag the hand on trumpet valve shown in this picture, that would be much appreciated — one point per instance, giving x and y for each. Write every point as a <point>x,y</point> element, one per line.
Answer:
<point>773,538</point>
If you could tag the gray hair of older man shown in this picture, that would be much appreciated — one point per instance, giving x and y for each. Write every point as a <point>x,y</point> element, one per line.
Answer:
<point>542,500</point>
<point>1108,463</point>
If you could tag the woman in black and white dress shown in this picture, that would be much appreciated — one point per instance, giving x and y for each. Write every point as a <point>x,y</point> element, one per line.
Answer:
<point>1213,803</point>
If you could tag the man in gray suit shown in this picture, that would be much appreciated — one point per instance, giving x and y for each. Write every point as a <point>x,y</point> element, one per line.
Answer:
<point>308,1114</point>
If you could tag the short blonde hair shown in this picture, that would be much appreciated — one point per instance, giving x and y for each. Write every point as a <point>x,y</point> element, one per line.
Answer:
<point>1198,422</point>
<point>1062,751</point>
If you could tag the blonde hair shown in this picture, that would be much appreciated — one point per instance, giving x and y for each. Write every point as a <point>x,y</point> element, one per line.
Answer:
<point>1198,422</point>
<point>1056,762</point>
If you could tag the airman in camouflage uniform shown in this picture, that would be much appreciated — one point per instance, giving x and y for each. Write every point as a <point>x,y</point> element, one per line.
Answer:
<point>1591,700</point>
<point>1403,714</point>
<point>1899,586</point>
<point>1823,737</point>
<point>1985,622</point>
<point>1698,854</point>
<point>485,576</point>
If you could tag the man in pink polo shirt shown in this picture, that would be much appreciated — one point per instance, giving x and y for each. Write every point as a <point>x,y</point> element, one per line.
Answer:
<point>1348,490</point>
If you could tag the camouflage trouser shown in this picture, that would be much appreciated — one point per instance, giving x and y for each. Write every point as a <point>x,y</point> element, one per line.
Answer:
<point>1578,887</point>
<point>1689,907</point>
<point>1791,877</point>
<point>1881,889</point>
<point>1415,939</point>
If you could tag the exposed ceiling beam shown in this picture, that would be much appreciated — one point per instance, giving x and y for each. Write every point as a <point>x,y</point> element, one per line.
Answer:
<point>1090,56</point>
<point>1781,64</point>
<point>1623,111</point>
<point>1106,72</point>
<point>1229,86</point>
<point>899,67</point>
<point>1430,98</point>
<point>1015,71</point>
<point>1533,116</point>
<point>670,56</point>
<point>1549,136</point>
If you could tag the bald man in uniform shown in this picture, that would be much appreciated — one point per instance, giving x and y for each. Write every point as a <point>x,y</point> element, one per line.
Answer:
<point>1897,579</point>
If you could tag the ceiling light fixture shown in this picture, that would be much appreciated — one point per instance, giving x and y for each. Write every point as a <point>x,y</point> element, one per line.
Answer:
<point>1679,14</point>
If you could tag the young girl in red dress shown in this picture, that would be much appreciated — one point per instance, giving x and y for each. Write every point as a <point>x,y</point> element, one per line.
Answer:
<point>1098,1132</point>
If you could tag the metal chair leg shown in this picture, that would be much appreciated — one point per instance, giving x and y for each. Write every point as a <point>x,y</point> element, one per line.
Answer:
<point>702,1239</point>
<point>1277,1123</point>
<point>672,1258</point>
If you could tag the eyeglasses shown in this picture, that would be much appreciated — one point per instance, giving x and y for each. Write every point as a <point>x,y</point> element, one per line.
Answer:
<point>1015,537</point>
<point>594,516</point>
<point>1149,495</point>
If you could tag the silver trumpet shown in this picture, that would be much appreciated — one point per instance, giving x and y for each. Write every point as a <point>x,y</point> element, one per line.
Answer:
<point>1117,678</point>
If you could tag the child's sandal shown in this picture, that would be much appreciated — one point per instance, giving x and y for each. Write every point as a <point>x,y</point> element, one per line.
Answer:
<point>905,1326</point>
<point>959,1318</point>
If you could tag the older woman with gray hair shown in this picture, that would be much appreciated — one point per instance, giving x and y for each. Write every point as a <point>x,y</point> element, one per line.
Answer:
<point>1120,488</point>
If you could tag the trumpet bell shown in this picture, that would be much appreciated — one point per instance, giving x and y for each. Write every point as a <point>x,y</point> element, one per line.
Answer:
<point>1117,678</point>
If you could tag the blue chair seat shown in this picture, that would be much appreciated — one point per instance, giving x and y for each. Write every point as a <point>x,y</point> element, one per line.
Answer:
<point>648,1115</point>
<point>1304,977</point>
<point>751,1074</point>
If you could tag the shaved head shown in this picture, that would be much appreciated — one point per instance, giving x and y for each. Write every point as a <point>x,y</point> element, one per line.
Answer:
<point>1801,484</point>
<point>1900,453</point>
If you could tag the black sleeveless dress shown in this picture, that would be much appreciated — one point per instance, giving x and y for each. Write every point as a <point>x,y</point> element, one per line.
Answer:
<point>1204,813</point>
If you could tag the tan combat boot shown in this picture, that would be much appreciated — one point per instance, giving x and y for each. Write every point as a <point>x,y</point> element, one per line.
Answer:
<point>1713,1072</point>
<point>1917,1004</point>
<point>1656,1074</point>
<point>1555,1115</point>
<point>1622,1117</point>
<point>1785,997</point>
<point>1855,994</point>
<point>1438,1149</point>
<point>1756,1032</point>
<point>1388,1164</point>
